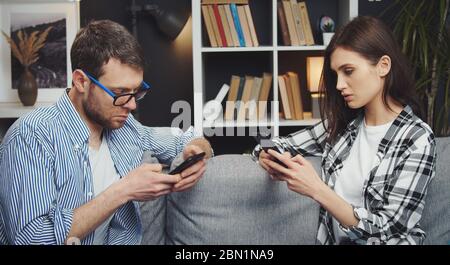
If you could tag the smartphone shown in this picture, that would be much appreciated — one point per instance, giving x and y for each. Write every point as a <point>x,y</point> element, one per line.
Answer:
<point>268,144</point>
<point>187,163</point>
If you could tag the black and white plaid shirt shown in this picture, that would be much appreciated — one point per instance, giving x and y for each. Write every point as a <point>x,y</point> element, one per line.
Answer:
<point>394,193</point>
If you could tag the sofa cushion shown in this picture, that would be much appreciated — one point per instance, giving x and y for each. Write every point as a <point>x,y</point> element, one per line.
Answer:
<point>436,214</point>
<point>237,203</point>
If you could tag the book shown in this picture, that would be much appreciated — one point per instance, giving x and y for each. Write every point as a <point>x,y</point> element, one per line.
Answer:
<point>264,95</point>
<point>234,34</point>
<point>243,105</point>
<point>298,22</point>
<point>237,23</point>
<point>226,27</point>
<point>283,25</point>
<point>315,106</point>
<point>290,94</point>
<point>290,23</point>
<point>296,95</point>
<point>214,25</point>
<point>251,26</point>
<point>245,26</point>
<point>306,23</point>
<point>209,27</point>
<point>284,98</point>
<point>240,2</point>
<point>254,97</point>
<point>230,105</point>
<point>219,25</point>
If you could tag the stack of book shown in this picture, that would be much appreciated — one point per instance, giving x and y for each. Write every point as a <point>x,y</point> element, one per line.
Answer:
<point>229,23</point>
<point>294,23</point>
<point>291,97</point>
<point>247,97</point>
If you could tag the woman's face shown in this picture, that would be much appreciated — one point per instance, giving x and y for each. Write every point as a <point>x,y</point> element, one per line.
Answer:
<point>359,82</point>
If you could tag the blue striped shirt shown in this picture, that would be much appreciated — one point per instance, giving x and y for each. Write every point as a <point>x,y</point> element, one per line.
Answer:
<point>45,173</point>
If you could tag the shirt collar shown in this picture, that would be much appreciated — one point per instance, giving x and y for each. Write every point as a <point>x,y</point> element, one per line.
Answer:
<point>75,126</point>
<point>405,116</point>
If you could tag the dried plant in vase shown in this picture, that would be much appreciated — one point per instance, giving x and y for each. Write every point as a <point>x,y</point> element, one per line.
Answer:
<point>26,51</point>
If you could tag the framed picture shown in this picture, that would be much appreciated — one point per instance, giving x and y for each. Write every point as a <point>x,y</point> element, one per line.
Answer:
<point>58,22</point>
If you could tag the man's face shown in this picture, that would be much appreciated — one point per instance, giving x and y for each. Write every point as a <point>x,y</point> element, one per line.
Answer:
<point>98,105</point>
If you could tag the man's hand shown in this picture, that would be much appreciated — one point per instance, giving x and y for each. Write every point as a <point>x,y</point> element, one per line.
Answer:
<point>146,182</point>
<point>191,175</point>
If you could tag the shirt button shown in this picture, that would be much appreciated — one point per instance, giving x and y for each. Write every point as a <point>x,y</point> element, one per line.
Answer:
<point>76,147</point>
<point>89,194</point>
<point>373,241</point>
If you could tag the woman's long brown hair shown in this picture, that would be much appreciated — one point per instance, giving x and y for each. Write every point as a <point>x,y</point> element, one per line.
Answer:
<point>372,39</point>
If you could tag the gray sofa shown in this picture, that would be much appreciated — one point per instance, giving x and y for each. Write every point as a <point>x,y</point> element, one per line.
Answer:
<point>236,203</point>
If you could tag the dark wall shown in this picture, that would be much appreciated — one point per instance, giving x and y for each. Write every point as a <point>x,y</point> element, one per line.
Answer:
<point>169,70</point>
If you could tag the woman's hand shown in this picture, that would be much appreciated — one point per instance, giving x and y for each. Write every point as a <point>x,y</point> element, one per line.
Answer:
<point>263,161</point>
<point>299,175</point>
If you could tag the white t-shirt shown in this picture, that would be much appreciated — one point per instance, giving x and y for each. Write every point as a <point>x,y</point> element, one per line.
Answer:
<point>104,174</point>
<point>356,168</point>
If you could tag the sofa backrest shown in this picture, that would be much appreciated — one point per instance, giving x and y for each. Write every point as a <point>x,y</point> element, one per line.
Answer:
<point>436,215</point>
<point>236,203</point>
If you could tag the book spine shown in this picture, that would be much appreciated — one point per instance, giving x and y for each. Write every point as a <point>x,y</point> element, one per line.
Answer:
<point>209,27</point>
<point>237,23</point>
<point>220,26</point>
<point>283,25</point>
<point>251,26</point>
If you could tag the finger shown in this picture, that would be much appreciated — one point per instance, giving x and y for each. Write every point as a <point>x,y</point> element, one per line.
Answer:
<point>163,192</point>
<point>300,159</point>
<point>285,158</point>
<point>168,179</point>
<point>191,150</point>
<point>275,177</point>
<point>186,187</point>
<point>263,164</point>
<point>190,185</point>
<point>192,169</point>
<point>190,179</point>
<point>279,168</point>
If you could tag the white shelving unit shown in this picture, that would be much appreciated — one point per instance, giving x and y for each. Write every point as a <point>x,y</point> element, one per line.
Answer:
<point>348,9</point>
<point>16,110</point>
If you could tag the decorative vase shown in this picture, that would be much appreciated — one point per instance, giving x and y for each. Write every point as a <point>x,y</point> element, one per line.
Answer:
<point>27,88</point>
<point>327,37</point>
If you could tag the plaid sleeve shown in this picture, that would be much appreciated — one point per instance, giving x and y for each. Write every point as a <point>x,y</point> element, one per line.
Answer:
<point>396,221</point>
<point>307,142</point>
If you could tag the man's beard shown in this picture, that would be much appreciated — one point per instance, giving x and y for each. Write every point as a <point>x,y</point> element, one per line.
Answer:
<point>95,115</point>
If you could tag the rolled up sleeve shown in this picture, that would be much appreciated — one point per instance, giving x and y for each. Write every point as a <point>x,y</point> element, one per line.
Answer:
<point>166,142</point>
<point>28,198</point>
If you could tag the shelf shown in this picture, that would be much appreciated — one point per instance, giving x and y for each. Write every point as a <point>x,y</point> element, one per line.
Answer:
<point>305,122</point>
<point>302,48</point>
<point>238,49</point>
<point>221,123</point>
<point>16,110</point>
<point>265,48</point>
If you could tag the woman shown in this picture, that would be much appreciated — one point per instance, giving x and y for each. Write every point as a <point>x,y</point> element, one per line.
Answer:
<point>378,157</point>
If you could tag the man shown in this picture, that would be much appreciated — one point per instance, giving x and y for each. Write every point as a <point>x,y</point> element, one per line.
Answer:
<point>73,170</point>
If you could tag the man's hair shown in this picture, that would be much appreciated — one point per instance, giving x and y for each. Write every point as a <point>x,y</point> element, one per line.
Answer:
<point>99,41</point>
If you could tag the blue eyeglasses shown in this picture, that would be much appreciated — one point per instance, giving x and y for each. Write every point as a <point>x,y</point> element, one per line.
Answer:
<point>120,100</point>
